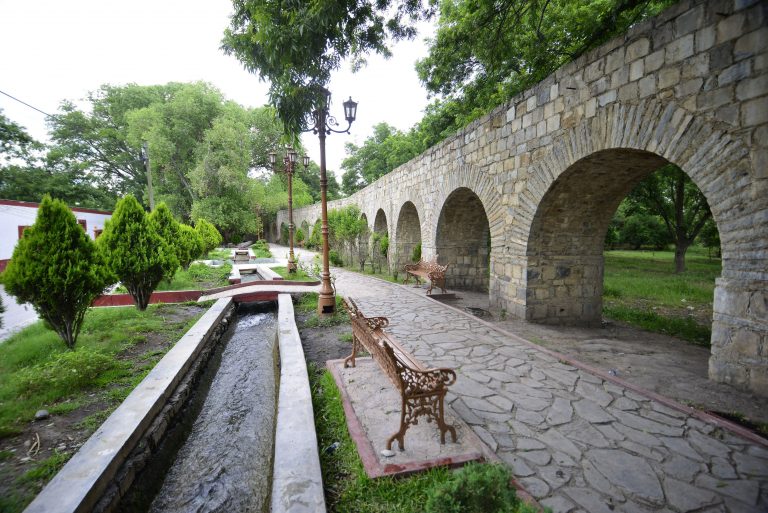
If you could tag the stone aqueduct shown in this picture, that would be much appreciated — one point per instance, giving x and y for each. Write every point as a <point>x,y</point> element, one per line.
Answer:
<point>519,201</point>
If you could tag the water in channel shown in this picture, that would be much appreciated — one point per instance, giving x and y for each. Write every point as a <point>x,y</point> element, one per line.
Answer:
<point>225,464</point>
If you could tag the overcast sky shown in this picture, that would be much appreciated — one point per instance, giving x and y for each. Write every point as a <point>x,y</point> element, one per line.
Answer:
<point>52,50</point>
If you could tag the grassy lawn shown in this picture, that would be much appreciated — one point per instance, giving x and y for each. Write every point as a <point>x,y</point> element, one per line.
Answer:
<point>198,277</point>
<point>384,275</point>
<point>641,288</point>
<point>219,254</point>
<point>299,275</point>
<point>308,304</point>
<point>261,249</point>
<point>116,349</point>
<point>347,487</point>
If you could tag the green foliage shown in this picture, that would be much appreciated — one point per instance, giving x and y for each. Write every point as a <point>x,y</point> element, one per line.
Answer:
<point>299,236</point>
<point>198,277</point>
<point>189,245</point>
<point>56,267</point>
<point>135,252</point>
<point>335,259</point>
<point>260,249</point>
<point>474,488</point>
<point>284,234</point>
<point>644,230</point>
<point>299,275</point>
<point>416,253</point>
<point>380,153</point>
<point>296,46</point>
<point>316,239</point>
<point>682,327</point>
<point>169,229</point>
<point>209,234</point>
<point>46,469</point>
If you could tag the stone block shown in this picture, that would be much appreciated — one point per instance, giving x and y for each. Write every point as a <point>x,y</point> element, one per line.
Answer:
<point>510,113</point>
<point>689,21</point>
<point>628,92</point>
<point>594,71</point>
<point>721,56</point>
<point>705,38</point>
<point>530,104</point>
<point>637,49</point>
<point>590,108</point>
<point>738,71</point>
<point>663,36</point>
<point>758,380</point>
<point>669,77</point>
<point>647,86</point>
<point>755,112</point>
<point>553,123</point>
<point>730,27</point>
<point>654,61</point>
<point>679,49</point>
<point>620,76</point>
<point>728,114</point>
<point>697,66</point>
<point>606,98</point>
<point>751,43</point>
<point>636,71</point>
<point>614,60</point>
<point>689,87</point>
<point>759,157</point>
<point>715,98</point>
<point>554,91</point>
<point>745,344</point>
<point>599,86</point>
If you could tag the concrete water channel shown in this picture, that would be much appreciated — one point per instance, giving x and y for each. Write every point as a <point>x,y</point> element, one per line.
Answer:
<point>224,422</point>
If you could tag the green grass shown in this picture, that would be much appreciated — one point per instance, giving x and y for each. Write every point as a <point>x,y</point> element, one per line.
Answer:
<point>308,304</point>
<point>384,275</point>
<point>299,275</point>
<point>219,254</point>
<point>642,289</point>
<point>198,277</point>
<point>348,488</point>
<point>38,372</point>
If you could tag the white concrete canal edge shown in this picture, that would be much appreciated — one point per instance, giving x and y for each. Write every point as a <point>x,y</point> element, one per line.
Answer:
<point>297,483</point>
<point>297,486</point>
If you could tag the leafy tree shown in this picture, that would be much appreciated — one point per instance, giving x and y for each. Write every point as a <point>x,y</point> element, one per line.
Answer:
<point>381,152</point>
<point>189,245</point>
<point>485,52</point>
<point>316,238</point>
<point>57,268</point>
<point>296,45</point>
<point>671,195</point>
<point>72,187</point>
<point>299,236</point>
<point>208,234</point>
<point>710,237</point>
<point>170,230</point>
<point>15,142</point>
<point>135,252</point>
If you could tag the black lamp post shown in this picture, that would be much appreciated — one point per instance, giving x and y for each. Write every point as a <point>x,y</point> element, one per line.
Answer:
<point>288,161</point>
<point>322,123</point>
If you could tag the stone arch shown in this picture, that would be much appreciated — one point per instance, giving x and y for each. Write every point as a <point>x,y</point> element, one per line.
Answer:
<point>407,234</point>
<point>612,151</point>
<point>463,241</point>
<point>380,229</point>
<point>364,241</point>
<point>305,229</point>
<point>282,234</point>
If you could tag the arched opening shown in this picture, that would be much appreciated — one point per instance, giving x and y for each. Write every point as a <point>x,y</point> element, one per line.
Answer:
<point>464,241</point>
<point>315,238</point>
<point>408,244</point>
<point>380,242</point>
<point>566,275</point>
<point>305,234</point>
<point>363,243</point>
<point>283,234</point>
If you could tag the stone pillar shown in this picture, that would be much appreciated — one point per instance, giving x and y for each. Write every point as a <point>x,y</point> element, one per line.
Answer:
<point>740,334</point>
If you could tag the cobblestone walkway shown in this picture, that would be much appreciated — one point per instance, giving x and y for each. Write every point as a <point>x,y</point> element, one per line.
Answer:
<point>576,441</point>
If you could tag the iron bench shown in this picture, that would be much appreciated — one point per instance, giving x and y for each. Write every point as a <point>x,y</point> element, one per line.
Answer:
<point>429,270</point>
<point>422,390</point>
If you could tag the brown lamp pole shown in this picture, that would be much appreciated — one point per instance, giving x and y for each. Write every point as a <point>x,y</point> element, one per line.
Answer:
<point>326,303</point>
<point>288,161</point>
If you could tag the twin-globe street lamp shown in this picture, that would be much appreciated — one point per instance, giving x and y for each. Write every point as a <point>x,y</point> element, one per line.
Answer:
<point>289,161</point>
<point>323,121</point>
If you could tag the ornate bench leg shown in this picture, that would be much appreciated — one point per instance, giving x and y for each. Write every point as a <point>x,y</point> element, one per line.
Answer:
<point>351,358</point>
<point>442,425</point>
<point>400,435</point>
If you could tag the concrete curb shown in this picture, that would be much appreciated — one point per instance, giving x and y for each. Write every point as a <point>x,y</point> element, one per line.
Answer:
<point>297,483</point>
<point>84,480</point>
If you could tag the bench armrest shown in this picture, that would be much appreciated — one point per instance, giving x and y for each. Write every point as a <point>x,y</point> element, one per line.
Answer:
<point>428,381</point>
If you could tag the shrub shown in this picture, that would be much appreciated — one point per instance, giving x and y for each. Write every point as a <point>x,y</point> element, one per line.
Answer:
<point>210,235</point>
<point>475,488</point>
<point>316,239</point>
<point>68,370</point>
<point>299,236</point>
<point>416,253</point>
<point>189,245</point>
<point>335,259</point>
<point>260,249</point>
<point>56,267</point>
<point>135,251</point>
<point>168,228</point>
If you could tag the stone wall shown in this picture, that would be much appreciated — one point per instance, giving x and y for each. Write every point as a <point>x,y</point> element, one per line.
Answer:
<point>549,168</point>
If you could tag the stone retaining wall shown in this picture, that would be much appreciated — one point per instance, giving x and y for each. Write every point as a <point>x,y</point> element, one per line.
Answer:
<point>549,167</point>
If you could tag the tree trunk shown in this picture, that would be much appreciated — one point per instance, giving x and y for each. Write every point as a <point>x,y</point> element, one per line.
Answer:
<point>680,249</point>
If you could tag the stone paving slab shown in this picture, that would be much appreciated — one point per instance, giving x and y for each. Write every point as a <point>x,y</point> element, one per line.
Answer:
<point>372,407</point>
<point>577,441</point>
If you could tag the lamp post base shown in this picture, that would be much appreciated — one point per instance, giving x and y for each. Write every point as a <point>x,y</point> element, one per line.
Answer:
<point>291,267</point>
<point>326,301</point>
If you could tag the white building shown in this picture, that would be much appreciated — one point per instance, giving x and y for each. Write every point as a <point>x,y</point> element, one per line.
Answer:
<point>17,215</point>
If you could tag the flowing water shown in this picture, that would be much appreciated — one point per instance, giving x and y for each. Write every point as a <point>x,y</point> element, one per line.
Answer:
<point>225,463</point>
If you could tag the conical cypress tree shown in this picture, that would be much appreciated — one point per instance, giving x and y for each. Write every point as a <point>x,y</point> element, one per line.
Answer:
<point>56,267</point>
<point>169,229</point>
<point>135,252</point>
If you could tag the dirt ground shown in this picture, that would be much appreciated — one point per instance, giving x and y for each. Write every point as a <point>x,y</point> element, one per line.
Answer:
<point>64,433</point>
